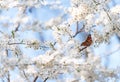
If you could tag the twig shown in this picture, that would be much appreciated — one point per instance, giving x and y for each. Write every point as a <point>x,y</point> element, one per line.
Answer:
<point>96,2</point>
<point>25,75</point>
<point>8,77</point>
<point>45,79</point>
<point>82,49</point>
<point>35,79</point>
<point>78,31</point>
<point>77,26</point>
<point>16,29</point>
<point>6,51</point>
<point>15,43</point>
<point>107,14</point>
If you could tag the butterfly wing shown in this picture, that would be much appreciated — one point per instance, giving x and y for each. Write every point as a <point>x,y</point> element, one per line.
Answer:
<point>88,41</point>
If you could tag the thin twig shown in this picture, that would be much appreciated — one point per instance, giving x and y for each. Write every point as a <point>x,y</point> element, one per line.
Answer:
<point>96,2</point>
<point>45,79</point>
<point>35,79</point>
<point>25,75</point>
<point>8,77</point>
<point>83,49</point>
<point>107,14</point>
<point>23,64</point>
<point>6,52</point>
<point>78,31</point>
<point>15,43</point>
<point>16,29</point>
<point>77,26</point>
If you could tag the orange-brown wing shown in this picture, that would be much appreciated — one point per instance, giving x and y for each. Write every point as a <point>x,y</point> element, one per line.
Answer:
<point>88,41</point>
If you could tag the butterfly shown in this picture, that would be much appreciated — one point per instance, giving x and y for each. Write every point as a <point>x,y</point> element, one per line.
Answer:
<point>88,41</point>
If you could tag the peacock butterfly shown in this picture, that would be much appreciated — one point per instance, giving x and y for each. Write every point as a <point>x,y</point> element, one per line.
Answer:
<point>88,41</point>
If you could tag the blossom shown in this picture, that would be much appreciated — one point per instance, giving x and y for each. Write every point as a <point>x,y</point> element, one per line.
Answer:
<point>63,53</point>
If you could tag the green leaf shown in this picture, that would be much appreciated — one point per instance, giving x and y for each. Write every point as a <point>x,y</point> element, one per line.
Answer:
<point>13,34</point>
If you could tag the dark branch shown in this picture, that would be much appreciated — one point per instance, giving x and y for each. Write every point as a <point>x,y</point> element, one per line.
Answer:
<point>77,26</point>
<point>83,49</point>
<point>35,79</point>
<point>16,29</point>
<point>8,77</point>
<point>6,51</point>
<point>25,74</point>
<point>45,79</point>
<point>15,43</point>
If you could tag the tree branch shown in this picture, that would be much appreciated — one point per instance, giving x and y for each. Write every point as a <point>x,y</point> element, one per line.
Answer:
<point>35,79</point>
<point>25,75</point>
<point>15,43</point>
<point>8,78</point>
<point>16,29</point>
<point>46,79</point>
<point>78,31</point>
<point>83,48</point>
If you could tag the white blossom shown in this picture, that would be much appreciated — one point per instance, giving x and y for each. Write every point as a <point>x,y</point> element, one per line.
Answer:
<point>63,53</point>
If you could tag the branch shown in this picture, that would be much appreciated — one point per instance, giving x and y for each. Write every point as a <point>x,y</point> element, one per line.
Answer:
<point>8,77</point>
<point>77,26</point>
<point>107,14</point>
<point>83,48</point>
<point>25,74</point>
<point>35,79</point>
<point>15,43</point>
<point>78,31</point>
<point>6,52</point>
<point>16,29</point>
<point>45,79</point>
